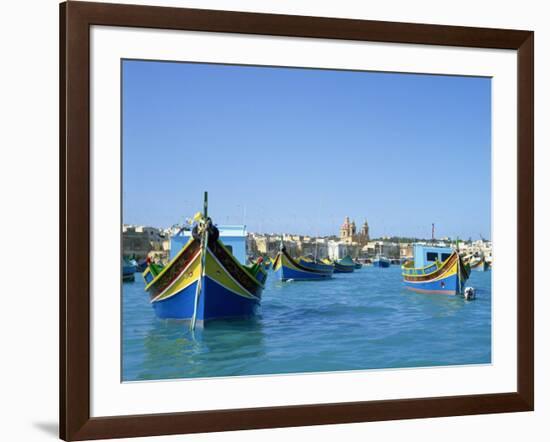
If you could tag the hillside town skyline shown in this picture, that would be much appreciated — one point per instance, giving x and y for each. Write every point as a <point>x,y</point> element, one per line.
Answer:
<point>143,241</point>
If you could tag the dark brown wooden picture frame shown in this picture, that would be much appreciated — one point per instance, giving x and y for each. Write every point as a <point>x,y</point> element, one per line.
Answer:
<point>75,21</point>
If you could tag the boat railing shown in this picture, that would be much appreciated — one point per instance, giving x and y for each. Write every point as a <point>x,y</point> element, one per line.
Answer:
<point>423,271</point>
<point>409,269</point>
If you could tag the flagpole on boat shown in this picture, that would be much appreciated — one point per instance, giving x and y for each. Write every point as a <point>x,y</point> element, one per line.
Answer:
<point>204,242</point>
<point>459,267</point>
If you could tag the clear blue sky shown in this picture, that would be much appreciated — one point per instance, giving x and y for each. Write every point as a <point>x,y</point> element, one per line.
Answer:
<point>297,150</point>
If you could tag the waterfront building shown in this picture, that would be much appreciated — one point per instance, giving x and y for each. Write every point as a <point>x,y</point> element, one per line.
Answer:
<point>336,250</point>
<point>349,235</point>
<point>291,245</point>
<point>321,248</point>
<point>297,245</point>
<point>385,248</point>
<point>316,247</point>
<point>347,229</point>
<point>477,248</point>
<point>365,231</point>
<point>142,241</point>
<point>406,251</point>
<point>264,245</point>
<point>340,249</point>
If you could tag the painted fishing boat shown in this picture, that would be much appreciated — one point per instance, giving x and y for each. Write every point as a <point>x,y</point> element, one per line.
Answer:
<point>479,264</point>
<point>204,281</point>
<point>381,261</point>
<point>301,269</point>
<point>128,271</point>
<point>437,270</point>
<point>344,265</point>
<point>358,265</point>
<point>152,270</point>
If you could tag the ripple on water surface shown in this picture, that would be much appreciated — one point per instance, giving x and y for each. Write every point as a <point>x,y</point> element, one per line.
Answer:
<point>363,320</point>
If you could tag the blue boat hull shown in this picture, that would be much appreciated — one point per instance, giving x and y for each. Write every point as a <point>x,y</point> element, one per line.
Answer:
<point>128,271</point>
<point>285,268</point>
<point>447,278</point>
<point>285,273</point>
<point>445,286</point>
<point>380,263</point>
<point>227,288</point>
<point>215,302</point>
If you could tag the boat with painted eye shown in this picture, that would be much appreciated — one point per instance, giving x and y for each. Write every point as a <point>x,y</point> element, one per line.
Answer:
<point>300,269</point>
<point>435,270</point>
<point>205,281</point>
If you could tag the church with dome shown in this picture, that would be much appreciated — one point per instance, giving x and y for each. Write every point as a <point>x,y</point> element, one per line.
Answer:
<point>349,235</point>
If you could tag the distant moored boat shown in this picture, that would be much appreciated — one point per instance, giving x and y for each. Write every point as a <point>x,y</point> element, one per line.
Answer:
<point>128,270</point>
<point>286,267</point>
<point>344,265</point>
<point>381,261</point>
<point>479,264</point>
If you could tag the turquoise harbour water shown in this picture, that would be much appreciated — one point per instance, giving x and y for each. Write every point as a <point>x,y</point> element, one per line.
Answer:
<point>358,321</point>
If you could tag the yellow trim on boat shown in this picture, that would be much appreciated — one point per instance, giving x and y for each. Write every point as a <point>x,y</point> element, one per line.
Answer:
<point>409,265</point>
<point>169,264</point>
<point>189,275</point>
<point>277,262</point>
<point>287,263</point>
<point>245,268</point>
<point>216,272</point>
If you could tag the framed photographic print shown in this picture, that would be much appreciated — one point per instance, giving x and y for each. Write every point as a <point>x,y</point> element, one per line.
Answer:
<point>272,220</point>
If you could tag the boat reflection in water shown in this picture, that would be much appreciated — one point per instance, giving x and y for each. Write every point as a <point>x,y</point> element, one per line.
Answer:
<point>228,344</point>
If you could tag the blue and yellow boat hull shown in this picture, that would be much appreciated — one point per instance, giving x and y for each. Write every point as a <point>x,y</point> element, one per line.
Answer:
<point>286,268</point>
<point>447,278</point>
<point>228,288</point>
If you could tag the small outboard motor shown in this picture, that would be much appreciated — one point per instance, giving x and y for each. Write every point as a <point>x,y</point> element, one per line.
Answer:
<point>469,293</point>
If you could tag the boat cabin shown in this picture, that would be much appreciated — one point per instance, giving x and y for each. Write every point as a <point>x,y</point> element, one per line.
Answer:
<point>425,255</point>
<point>232,236</point>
